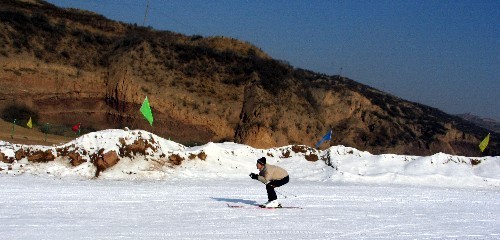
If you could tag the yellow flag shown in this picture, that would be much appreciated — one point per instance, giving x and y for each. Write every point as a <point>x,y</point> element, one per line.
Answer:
<point>484,143</point>
<point>29,124</point>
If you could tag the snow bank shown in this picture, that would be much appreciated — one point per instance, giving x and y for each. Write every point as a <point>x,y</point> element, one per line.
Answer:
<point>437,170</point>
<point>162,159</point>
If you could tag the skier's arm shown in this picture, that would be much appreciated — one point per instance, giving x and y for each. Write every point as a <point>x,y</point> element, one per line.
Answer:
<point>262,179</point>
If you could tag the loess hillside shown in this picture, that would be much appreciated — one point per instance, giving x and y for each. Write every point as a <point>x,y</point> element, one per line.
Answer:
<point>64,66</point>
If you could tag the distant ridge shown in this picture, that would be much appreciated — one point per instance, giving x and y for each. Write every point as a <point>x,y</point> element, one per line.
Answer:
<point>488,123</point>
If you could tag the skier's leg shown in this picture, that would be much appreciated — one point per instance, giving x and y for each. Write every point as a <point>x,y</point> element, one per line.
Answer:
<point>271,194</point>
<point>281,182</point>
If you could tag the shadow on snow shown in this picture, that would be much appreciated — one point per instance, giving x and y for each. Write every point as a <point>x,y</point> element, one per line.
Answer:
<point>236,200</point>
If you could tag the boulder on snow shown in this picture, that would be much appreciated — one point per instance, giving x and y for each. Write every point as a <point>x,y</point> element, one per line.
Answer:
<point>474,161</point>
<point>20,154</point>
<point>175,159</point>
<point>139,146</point>
<point>6,159</point>
<point>106,161</point>
<point>202,156</point>
<point>41,156</point>
<point>76,159</point>
<point>285,154</point>
<point>300,148</point>
<point>312,157</point>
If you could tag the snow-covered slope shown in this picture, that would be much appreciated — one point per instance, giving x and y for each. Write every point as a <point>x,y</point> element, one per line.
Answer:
<point>163,159</point>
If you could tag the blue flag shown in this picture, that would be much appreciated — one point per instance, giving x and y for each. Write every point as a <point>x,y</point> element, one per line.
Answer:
<point>327,137</point>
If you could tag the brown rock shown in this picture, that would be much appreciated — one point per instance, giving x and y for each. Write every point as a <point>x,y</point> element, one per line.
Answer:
<point>20,154</point>
<point>76,159</point>
<point>202,156</point>
<point>138,147</point>
<point>299,148</point>
<point>285,154</point>
<point>474,162</point>
<point>40,156</point>
<point>107,160</point>
<point>8,159</point>
<point>110,158</point>
<point>312,157</point>
<point>175,159</point>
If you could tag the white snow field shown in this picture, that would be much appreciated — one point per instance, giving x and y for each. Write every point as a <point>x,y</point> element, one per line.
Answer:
<point>44,208</point>
<point>346,194</point>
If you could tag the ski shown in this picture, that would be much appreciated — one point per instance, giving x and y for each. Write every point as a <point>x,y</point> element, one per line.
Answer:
<point>262,207</point>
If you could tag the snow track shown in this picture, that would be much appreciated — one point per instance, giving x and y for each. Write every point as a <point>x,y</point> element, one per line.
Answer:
<point>47,208</point>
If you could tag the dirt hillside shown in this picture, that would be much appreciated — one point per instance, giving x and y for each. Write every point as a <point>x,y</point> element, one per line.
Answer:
<point>25,135</point>
<point>67,66</point>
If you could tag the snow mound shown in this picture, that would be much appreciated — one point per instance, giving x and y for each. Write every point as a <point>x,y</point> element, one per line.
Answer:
<point>140,155</point>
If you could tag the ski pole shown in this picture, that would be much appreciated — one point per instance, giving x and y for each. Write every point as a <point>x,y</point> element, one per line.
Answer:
<point>280,192</point>
<point>293,195</point>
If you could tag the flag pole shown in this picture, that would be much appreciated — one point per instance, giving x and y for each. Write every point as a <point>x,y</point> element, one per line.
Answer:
<point>46,130</point>
<point>13,130</point>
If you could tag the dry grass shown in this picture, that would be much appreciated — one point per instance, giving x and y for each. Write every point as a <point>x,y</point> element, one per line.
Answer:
<point>28,136</point>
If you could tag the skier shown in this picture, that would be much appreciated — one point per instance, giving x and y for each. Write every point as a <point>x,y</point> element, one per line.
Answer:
<point>272,176</point>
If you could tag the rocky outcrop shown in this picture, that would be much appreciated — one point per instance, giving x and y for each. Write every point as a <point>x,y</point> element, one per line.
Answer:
<point>359,116</point>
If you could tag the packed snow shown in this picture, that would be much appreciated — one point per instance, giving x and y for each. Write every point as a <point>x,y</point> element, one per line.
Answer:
<point>345,194</point>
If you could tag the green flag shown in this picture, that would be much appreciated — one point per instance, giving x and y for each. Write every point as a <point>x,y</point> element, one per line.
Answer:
<point>146,111</point>
<point>484,143</point>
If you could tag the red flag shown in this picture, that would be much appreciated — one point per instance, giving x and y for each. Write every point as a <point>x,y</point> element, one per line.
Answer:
<point>76,127</point>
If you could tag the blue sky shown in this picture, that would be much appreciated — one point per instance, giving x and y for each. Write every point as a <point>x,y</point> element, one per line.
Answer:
<point>445,54</point>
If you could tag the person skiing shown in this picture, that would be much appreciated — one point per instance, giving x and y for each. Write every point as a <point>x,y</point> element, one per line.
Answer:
<point>273,176</point>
